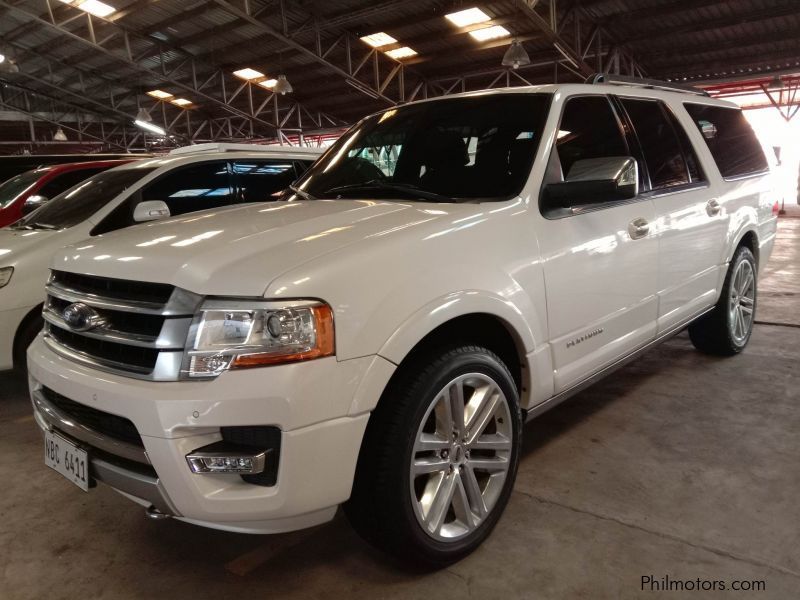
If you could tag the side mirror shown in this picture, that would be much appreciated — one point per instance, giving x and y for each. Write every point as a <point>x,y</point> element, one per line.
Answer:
<point>150,210</point>
<point>32,203</point>
<point>595,180</point>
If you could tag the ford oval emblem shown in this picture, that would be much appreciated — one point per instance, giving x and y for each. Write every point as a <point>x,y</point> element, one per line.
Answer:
<point>82,317</point>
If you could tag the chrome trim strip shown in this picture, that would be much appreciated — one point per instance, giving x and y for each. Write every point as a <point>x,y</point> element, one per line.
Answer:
<point>167,367</point>
<point>55,418</point>
<point>98,363</point>
<point>70,295</point>
<point>554,401</point>
<point>172,336</point>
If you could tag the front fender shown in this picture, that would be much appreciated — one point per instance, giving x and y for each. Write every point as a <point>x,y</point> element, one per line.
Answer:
<point>448,307</point>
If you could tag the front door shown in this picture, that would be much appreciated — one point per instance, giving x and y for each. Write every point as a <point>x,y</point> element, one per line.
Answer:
<point>600,261</point>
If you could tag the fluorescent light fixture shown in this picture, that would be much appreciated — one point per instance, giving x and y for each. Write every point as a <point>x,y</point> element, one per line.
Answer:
<point>59,135</point>
<point>490,33</point>
<point>399,53</point>
<point>149,127</point>
<point>93,7</point>
<point>159,94</point>
<point>268,83</point>
<point>248,74</point>
<point>470,16</point>
<point>181,102</point>
<point>378,40</point>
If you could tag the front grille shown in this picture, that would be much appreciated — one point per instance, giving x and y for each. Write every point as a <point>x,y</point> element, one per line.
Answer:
<point>137,329</point>
<point>113,426</point>
<point>119,289</point>
<point>112,352</point>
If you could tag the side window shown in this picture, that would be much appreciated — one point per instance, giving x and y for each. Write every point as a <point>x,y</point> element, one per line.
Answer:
<point>695,174</point>
<point>258,180</point>
<point>660,145</point>
<point>192,188</point>
<point>729,138</point>
<point>301,166</point>
<point>589,129</point>
<point>61,183</point>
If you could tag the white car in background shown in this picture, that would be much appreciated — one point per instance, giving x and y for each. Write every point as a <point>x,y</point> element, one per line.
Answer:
<point>189,179</point>
<point>447,270</point>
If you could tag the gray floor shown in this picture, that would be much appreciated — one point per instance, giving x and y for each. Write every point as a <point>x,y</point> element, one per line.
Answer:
<point>680,465</point>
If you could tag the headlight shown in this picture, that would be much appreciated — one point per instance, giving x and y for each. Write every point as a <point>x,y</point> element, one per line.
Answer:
<point>234,335</point>
<point>5,275</point>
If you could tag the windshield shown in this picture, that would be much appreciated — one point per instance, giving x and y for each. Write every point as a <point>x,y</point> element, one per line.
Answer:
<point>13,188</point>
<point>83,200</point>
<point>467,148</point>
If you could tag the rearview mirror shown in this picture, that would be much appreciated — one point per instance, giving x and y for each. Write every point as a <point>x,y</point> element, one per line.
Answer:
<point>32,203</point>
<point>595,180</point>
<point>150,210</point>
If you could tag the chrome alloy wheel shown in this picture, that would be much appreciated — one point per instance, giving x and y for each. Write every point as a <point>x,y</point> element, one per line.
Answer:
<point>742,301</point>
<point>461,457</point>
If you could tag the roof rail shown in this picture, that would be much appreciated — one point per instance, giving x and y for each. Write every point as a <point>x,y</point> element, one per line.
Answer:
<point>213,147</point>
<point>653,84</point>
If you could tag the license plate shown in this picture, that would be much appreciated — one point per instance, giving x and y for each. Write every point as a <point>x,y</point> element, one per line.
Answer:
<point>68,459</point>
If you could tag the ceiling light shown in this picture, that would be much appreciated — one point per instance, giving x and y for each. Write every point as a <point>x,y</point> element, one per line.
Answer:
<point>143,115</point>
<point>59,135</point>
<point>2,58</point>
<point>490,33</point>
<point>149,127</point>
<point>94,7</point>
<point>282,86</point>
<point>248,74</point>
<point>181,102</point>
<point>377,40</point>
<point>268,83</point>
<point>516,56</point>
<point>403,52</point>
<point>159,94</point>
<point>470,16</point>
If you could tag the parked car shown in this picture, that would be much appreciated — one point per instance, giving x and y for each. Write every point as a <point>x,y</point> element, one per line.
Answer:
<point>446,271</point>
<point>188,179</point>
<point>16,164</point>
<point>27,191</point>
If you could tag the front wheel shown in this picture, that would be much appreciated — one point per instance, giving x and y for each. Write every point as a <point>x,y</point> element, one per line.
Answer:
<point>439,458</point>
<point>726,330</point>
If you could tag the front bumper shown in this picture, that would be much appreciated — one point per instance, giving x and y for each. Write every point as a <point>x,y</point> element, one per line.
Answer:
<point>310,403</point>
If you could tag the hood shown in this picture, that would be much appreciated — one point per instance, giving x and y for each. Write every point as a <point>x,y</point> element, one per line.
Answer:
<point>239,251</point>
<point>18,242</point>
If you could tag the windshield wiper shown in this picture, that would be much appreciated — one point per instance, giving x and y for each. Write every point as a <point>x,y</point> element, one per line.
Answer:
<point>46,226</point>
<point>403,188</point>
<point>302,193</point>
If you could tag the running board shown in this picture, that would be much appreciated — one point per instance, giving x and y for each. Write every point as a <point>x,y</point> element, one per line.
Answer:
<point>554,401</point>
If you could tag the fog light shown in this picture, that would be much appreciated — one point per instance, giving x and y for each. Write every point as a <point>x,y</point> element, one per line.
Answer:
<point>223,458</point>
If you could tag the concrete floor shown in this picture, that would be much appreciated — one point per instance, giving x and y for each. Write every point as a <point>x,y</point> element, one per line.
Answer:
<point>680,465</point>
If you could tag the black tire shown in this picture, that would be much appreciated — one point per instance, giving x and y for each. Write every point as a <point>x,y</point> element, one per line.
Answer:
<point>381,507</point>
<point>715,333</point>
<point>25,336</point>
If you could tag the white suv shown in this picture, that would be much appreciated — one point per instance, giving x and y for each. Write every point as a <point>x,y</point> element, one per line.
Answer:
<point>377,337</point>
<point>188,179</point>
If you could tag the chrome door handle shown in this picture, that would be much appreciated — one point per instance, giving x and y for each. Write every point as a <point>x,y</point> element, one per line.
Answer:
<point>638,228</point>
<point>713,208</point>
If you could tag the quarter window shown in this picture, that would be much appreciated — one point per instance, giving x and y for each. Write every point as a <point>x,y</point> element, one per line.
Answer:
<point>660,146</point>
<point>729,138</point>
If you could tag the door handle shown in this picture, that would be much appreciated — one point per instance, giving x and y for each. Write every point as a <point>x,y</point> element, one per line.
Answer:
<point>713,208</point>
<point>638,228</point>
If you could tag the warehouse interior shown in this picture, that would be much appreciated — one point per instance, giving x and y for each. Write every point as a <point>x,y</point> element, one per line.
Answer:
<point>679,465</point>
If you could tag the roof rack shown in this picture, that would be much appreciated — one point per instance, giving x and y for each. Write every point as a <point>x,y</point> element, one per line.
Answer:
<point>653,84</point>
<point>213,147</point>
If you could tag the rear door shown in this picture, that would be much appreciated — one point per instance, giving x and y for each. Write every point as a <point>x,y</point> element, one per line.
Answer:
<point>690,224</point>
<point>600,272</point>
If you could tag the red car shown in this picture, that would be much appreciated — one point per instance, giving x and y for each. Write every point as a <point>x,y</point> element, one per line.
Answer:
<point>27,191</point>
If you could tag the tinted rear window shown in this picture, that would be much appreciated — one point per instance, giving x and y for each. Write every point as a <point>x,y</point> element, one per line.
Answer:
<point>729,138</point>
